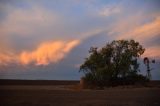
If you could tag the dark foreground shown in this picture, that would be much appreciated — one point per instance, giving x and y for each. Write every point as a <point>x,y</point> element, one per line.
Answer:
<point>63,95</point>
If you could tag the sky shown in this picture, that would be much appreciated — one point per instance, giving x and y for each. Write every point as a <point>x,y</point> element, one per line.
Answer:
<point>50,39</point>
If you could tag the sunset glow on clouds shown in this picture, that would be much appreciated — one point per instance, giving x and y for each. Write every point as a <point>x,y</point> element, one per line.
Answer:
<point>45,53</point>
<point>6,59</point>
<point>48,52</point>
<point>145,33</point>
<point>59,33</point>
<point>152,52</point>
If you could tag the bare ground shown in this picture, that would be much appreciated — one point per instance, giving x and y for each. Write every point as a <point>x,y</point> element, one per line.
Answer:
<point>65,93</point>
<point>62,95</point>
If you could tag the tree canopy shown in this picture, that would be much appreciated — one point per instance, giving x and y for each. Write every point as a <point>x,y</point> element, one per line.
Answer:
<point>115,61</point>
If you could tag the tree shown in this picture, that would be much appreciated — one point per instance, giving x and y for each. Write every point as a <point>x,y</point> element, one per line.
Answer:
<point>113,62</point>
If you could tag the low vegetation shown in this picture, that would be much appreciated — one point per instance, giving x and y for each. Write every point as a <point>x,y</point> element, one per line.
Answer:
<point>114,64</point>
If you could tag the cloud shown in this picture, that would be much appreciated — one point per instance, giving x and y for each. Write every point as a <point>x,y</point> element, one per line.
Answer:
<point>126,23</point>
<point>48,52</point>
<point>144,32</point>
<point>7,58</point>
<point>152,52</point>
<point>25,21</point>
<point>44,54</point>
<point>148,31</point>
<point>110,10</point>
<point>32,22</point>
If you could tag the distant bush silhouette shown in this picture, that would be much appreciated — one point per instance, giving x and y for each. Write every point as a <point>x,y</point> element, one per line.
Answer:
<point>114,64</point>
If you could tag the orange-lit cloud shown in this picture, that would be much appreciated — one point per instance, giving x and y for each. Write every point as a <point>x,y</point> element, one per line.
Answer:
<point>6,58</point>
<point>152,52</point>
<point>48,52</point>
<point>144,32</point>
<point>45,53</point>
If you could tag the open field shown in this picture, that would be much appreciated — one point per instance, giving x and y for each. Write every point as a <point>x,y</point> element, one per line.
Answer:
<point>60,93</point>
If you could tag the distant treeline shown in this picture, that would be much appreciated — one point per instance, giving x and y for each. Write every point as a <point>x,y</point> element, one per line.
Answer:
<point>37,82</point>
